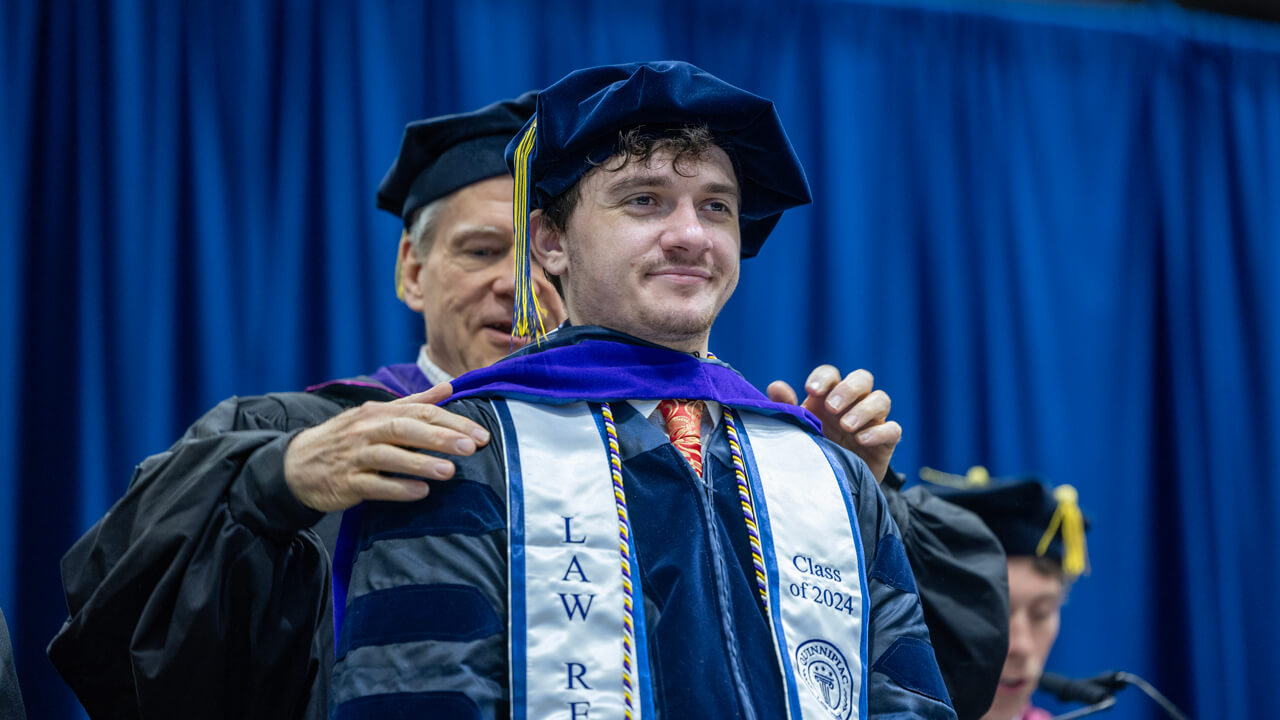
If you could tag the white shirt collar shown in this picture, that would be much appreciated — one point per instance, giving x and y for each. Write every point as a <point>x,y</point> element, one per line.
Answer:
<point>649,409</point>
<point>710,419</point>
<point>435,375</point>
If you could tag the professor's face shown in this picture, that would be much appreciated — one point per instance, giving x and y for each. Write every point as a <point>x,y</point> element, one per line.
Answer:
<point>464,285</point>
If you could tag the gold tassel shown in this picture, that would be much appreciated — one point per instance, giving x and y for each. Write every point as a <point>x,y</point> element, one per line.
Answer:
<point>975,478</point>
<point>527,316</point>
<point>404,234</point>
<point>1068,519</point>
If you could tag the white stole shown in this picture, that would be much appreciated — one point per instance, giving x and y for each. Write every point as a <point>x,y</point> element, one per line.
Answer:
<point>570,599</point>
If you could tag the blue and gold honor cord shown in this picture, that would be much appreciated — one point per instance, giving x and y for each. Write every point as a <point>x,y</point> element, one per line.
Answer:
<point>744,498</point>
<point>527,314</point>
<point>624,539</point>
<point>748,507</point>
<point>624,547</point>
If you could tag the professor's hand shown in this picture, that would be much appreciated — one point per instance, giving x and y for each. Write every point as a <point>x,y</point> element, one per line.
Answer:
<point>852,412</point>
<point>358,454</point>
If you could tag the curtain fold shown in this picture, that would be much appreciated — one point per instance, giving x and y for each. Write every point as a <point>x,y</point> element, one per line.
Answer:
<point>1050,231</point>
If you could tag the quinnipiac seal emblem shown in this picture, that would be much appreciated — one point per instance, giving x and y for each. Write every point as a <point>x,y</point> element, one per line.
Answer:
<point>826,673</point>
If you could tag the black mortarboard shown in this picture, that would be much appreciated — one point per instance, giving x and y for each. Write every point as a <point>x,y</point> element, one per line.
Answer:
<point>1028,516</point>
<point>442,154</point>
<point>578,121</point>
<point>579,118</point>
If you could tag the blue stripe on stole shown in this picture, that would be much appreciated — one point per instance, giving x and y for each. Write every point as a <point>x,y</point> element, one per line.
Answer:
<point>846,492</point>
<point>516,633</point>
<point>771,568</point>
<point>404,706</point>
<point>413,613</point>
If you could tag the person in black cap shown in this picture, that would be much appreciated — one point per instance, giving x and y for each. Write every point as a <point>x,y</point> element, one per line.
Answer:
<point>650,536</point>
<point>228,530</point>
<point>203,593</point>
<point>449,184</point>
<point>1042,530</point>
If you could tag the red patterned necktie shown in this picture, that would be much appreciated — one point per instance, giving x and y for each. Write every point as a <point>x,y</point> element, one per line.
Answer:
<point>684,427</point>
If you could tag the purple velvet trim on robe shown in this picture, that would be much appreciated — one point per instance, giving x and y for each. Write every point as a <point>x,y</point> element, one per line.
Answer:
<point>573,365</point>
<point>599,370</point>
<point>402,379</point>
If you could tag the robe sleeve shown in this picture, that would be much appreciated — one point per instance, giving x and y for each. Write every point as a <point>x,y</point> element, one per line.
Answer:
<point>203,593</point>
<point>962,576</point>
<point>903,680</point>
<point>11,706</point>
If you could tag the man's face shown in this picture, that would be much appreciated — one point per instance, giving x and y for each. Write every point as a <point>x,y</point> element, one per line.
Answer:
<point>464,287</point>
<point>651,249</point>
<point>1035,604</point>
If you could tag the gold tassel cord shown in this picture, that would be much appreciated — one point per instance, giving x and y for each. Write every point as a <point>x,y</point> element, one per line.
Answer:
<point>975,478</point>
<point>1068,519</point>
<point>404,234</point>
<point>527,314</point>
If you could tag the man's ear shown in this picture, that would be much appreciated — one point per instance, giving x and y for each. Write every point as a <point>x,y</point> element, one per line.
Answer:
<point>409,274</point>
<point>546,244</point>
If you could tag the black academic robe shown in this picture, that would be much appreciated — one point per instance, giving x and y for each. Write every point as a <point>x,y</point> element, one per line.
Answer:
<point>205,591</point>
<point>11,707</point>
<point>964,590</point>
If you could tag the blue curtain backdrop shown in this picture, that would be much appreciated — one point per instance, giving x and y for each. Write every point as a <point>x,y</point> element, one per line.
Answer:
<point>1050,231</point>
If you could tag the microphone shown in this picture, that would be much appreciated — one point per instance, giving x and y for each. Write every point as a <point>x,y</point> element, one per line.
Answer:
<point>1099,692</point>
<point>1089,691</point>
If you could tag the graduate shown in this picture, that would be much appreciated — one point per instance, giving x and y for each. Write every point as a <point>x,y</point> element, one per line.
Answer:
<point>1042,530</point>
<point>648,535</point>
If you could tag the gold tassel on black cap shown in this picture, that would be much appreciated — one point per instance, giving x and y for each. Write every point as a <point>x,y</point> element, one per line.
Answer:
<point>404,235</point>
<point>976,477</point>
<point>1070,520</point>
<point>527,316</point>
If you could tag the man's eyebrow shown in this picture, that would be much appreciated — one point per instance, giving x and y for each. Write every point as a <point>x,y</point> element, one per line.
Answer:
<point>470,230</point>
<point>656,180</point>
<point>722,189</point>
<point>638,181</point>
<point>467,231</point>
